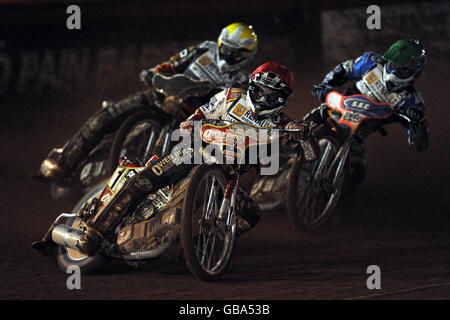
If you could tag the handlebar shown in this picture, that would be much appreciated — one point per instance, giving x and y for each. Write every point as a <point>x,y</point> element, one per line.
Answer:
<point>180,85</point>
<point>245,124</point>
<point>401,115</point>
<point>406,118</point>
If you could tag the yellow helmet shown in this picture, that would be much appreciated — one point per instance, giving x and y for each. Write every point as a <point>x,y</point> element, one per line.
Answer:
<point>237,44</point>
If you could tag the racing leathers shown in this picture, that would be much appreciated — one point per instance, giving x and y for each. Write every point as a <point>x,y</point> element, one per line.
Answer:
<point>199,62</point>
<point>367,72</point>
<point>229,105</point>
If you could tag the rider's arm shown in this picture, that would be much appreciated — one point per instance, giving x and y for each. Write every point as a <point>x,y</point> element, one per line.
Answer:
<point>215,108</point>
<point>212,109</point>
<point>413,107</point>
<point>165,68</point>
<point>183,59</point>
<point>177,63</point>
<point>344,72</point>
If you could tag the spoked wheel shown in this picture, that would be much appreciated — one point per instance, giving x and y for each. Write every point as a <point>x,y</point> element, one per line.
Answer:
<point>135,139</point>
<point>207,242</point>
<point>312,195</point>
<point>68,257</point>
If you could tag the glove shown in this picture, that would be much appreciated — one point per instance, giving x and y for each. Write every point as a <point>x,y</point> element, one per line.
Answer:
<point>186,127</point>
<point>165,68</point>
<point>415,114</point>
<point>146,76</point>
<point>321,90</point>
<point>303,128</point>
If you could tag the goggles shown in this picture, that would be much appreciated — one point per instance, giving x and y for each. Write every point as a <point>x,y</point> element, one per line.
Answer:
<point>400,72</point>
<point>266,98</point>
<point>233,55</point>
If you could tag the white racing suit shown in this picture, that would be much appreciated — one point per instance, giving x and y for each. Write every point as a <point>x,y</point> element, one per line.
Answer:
<point>229,105</point>
<point>198,62</point>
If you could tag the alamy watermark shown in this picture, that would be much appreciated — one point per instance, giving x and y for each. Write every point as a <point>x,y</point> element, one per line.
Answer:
<point>374,280</point>
<point>74,280</point>
<point>74,20</point>
<point>373,22</point>
<point>231,144</point>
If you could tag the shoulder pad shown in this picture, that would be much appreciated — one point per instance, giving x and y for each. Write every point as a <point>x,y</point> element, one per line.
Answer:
<point>207,44</point>
<point>235,93</point>
<point>220,95</point>
<point>371,56</point>
<point>362,64</point>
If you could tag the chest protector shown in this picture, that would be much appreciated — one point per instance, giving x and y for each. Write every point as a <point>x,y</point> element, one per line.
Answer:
<point>231,105</point>
<point>237,111</point>
<point>373,86</point>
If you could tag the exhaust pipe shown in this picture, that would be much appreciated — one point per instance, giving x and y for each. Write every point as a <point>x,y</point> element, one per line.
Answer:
<point>66,236</point>
<point>147,254</point>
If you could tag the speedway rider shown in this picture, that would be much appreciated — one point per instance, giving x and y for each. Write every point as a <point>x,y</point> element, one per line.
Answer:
<point>269,89</point>
<point>388,79</point>
<point>219,63</point>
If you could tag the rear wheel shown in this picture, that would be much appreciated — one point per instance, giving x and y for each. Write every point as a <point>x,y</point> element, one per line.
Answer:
<point>207,242</point>
<point>312,196</point>
<point>67,257</point>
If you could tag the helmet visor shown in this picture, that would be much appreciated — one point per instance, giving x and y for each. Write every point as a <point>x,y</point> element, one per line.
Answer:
<point>233,55</point>
<point>400,72</point>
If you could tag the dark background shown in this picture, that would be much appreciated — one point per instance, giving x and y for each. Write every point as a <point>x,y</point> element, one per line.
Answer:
<point>52,79</point>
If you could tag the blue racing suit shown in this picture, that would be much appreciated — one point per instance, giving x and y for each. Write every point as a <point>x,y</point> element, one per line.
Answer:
<point>405,99</point>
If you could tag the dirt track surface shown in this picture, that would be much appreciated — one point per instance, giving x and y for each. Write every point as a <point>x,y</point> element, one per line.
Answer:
<point>398,220</point>
<point>270,262</point>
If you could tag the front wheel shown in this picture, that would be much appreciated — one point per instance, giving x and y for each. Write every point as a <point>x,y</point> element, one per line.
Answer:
<point>135,139</point>
<point>207,242</point>
<point>313,190</point>
<point>67,257</point>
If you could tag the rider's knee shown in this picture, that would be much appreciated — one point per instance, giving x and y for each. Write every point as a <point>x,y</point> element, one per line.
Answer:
<point>96,124</point>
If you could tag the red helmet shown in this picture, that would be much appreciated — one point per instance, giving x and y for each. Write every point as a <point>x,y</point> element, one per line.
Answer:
<point>269,89</point>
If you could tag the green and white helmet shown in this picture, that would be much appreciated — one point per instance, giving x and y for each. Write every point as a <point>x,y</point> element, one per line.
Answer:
<point>405,60</point>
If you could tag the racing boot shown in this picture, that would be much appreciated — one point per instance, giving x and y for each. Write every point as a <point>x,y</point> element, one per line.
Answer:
<point>52,171</point>
<point>57,168</point>
<point>358,166</point>
<point>61,162</point>
<point>248,215</point>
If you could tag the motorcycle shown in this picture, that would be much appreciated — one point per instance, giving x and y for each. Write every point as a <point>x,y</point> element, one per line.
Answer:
<point>314,189</point>
<point>148,133</point>
<point>200,211</point>
<point>270,191</point>
<point>140,135</point>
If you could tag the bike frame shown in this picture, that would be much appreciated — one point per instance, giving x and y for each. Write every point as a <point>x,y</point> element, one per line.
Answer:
<point>354,110</point>
<point>229,201</point>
